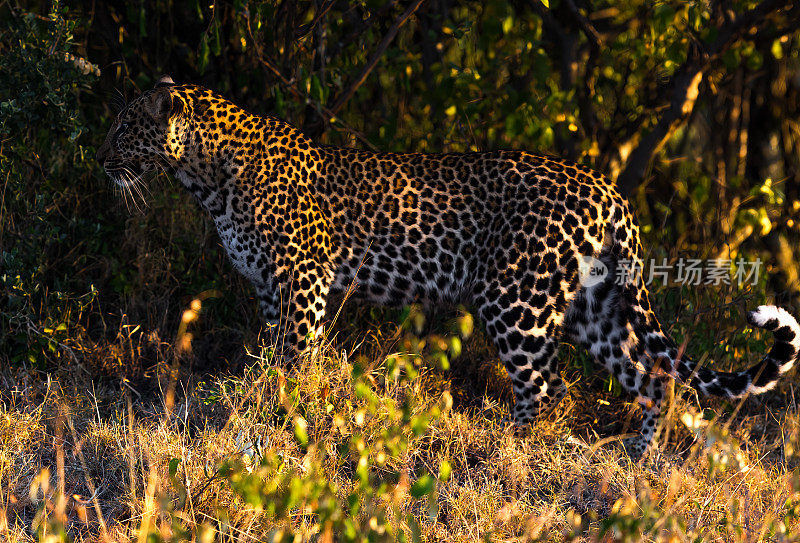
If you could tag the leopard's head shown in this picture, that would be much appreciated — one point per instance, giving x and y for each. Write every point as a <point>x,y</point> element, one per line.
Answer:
<point>149,133</point>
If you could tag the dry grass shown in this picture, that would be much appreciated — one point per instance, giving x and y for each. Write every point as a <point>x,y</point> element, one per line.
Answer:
<point>104,457</point>
<point>115,460</point>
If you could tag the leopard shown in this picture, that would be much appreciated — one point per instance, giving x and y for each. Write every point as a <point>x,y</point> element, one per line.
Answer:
<point>505,232</point>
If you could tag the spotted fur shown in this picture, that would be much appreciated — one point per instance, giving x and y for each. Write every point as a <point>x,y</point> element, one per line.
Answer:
<point>504,231</point>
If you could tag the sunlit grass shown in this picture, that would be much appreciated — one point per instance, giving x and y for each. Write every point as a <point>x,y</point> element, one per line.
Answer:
<point>133,463</point>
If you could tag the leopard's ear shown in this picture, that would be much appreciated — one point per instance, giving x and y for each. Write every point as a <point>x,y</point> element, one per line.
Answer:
<point>162,105</point>
<point>165,81</point>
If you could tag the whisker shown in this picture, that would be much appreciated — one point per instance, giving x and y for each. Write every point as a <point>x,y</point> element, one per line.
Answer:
<point>135,200</point>
<point>126,191</point>
<point>143,190</point>
<point>141,187</point>
<point>118,101</point>
<point>137,187</point>
<point>145,185</point>
<point>124,197</point>
<point>160,169</point>
<point>131,187</point>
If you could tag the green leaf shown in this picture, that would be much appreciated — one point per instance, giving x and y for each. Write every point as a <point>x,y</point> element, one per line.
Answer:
<point>280,102</point>
<point>444,471</point>
<point>317,91</point>
<point>353,503</point>
<point>777,49</point>
<point>202,61</point>
<point>198,9</point>
<point>423,486</point>
<point>173,466</point>
<point>216,45</point>
<point>142,21</point>
<point>508,24</point>
<point>301,431</point>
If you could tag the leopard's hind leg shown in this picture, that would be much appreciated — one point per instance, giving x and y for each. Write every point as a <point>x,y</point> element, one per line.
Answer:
<point>599,320</point>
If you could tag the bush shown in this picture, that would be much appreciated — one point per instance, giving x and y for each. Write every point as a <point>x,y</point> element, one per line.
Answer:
<point>43,160</point>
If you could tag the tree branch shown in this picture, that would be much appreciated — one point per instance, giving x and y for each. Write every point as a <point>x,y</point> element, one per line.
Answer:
<point>684,89</point>
<point>306,28</point>
<point>336,104</point>
<point>588,28</point>
<point>292,87</point>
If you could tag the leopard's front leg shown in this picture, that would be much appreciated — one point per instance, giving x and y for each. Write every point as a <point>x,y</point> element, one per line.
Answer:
<point>293,308</point>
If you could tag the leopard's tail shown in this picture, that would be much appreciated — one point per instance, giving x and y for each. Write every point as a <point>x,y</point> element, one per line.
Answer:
<point>759,378</point>
<point>658,345</point>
